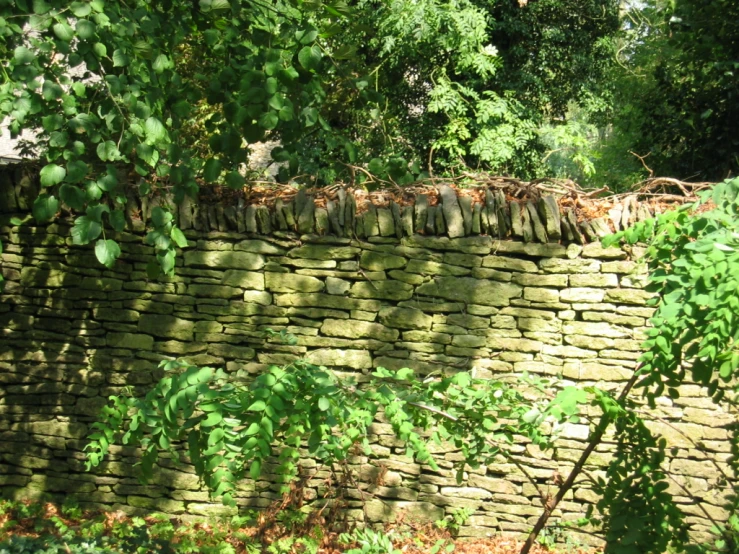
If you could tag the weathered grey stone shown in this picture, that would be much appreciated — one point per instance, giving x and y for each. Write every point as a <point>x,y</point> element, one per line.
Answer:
<point>471,291</point>
<point>322,222</point>
<point>389,290</point>
<point>213,291</point>
<point>595,329</point>
<point>569,266</point>
<point>614,318</point>
<point>468,321</point>
<point>625,266</point>
<point>381,261</point>
<point>166,326</point>
<point>540,280</point>
<point>421,212</point>
<point>356,359</point>
<point>324,252</point>
<point>410,278</point>
<point>405,318</point>
<point>371,224</point>
<point>595,250</point>
<point>628,296</point>
<point>549,213</point>
<point>223,350</point>
<point>290,282</point>
<point>452,211</point>
<point>326,301</point>
<point>225,260</point>
<point>549,250</point>
<point>465,203</point>
<point>354,329</point>
<point>541,294</point>
<point>385,222</point>
<point>425,336</point>
<point>337,286</point>
<point>305,215</point>
<point>582,295</point>
<point>426,267</point>
<point>130,340</point>
<point>243,279</point>
<point>514,344</point>
<point>258,297</point>
<point>502,262</point>
<point>605,280</point>
<point>258,247</point>
<point>527,226</point>
<point>536,223</point>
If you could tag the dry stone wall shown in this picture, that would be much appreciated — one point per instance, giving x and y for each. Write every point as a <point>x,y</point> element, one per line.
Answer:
<point>74,333</point>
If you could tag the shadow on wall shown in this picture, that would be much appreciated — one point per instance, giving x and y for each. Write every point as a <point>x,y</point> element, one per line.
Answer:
<point>73,334</point>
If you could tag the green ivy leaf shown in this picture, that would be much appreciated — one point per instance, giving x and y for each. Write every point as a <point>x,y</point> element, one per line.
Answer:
<point>63,31</point>
<point>310,57</point>
<point>117,220</point>
<point>45,207</point>
<point>85,230</point>
<point>212,170</point>
<point>76,171</point>
<point>107,252</point>
<point>108,151</point>
<point>160,217</point>
<point>72,196</point>
<point>120,59</point>
<point>155,131</point>
<point>178,237</point>
<point>51,175</point>
<point>23,55</point>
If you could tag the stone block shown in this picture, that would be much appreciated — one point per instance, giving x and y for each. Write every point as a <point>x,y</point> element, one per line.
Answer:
<point>258,297</point>
<point>244,279</point>
<point>513,264</point>
<point>386,290</point>
<point>354,329</point>
<point>536,294</point>
<point>581,295</point>
<point>131,341</point>
<point>213,291</point>
<point>405,318</point>
<point>290,282</point>
<point>259,247</point>
<point>468,321</point>
<point>628,296</point>
<point>166,326</point>
<point>223,350</point>
<point>381,261</point>
<point>224,260</point>
<point>569,266</point>
<point>355,359</point>
<point>514,344</point>
<point>606,280</point>
<point>324,252</point>
<point>595,329</point>
<point>540,280</point>
<point>471,291</point>
<point>337,286</point>
<point>326,301</point>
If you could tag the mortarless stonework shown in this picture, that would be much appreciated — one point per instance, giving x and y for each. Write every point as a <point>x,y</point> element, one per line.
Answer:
<point>74,333</point>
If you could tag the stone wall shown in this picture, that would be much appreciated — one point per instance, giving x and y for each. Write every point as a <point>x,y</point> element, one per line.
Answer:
<point>74,333</point>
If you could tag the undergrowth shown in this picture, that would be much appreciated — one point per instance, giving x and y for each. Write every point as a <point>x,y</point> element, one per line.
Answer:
<point>47,528</point>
